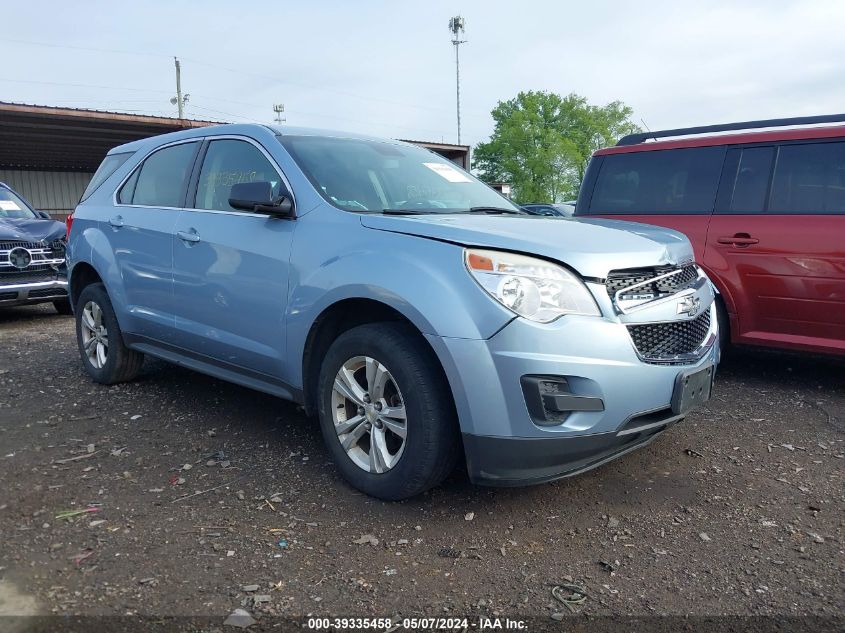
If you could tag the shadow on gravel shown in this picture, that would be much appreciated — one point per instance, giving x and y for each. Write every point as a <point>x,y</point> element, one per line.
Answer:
<point>284,428</point>
<point>816,380</point>
<point>783,368</point>
<point>262,419</point>
<point>737,510</point>
<point>22,314</point>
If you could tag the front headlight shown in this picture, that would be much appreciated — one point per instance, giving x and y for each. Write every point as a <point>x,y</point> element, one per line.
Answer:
<point>533,288</point>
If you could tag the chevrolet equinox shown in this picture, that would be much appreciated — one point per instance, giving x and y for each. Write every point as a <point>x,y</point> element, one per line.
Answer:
<point>418,314</point>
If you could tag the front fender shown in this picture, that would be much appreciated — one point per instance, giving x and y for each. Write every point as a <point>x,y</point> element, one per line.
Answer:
<point>335,258</point>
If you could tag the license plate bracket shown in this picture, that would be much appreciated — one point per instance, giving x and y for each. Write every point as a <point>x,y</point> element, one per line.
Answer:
<point>692,388</point>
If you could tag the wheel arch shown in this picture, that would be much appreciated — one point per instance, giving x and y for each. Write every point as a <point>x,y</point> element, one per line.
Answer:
<point>724,301</point>
<point>339,317</point>
<point>83,274</point>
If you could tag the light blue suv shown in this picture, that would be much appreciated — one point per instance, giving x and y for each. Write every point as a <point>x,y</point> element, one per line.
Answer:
<point>418,314</point>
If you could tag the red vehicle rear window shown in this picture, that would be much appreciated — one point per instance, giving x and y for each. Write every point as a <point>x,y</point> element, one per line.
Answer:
<point>681,181</point>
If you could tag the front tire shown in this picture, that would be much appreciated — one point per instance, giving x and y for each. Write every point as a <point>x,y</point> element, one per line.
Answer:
<point>386,411</point>
<point>104,356</point>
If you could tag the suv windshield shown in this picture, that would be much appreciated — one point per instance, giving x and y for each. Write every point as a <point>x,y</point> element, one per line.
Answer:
<point>12,206</point>
<point>363,175</point>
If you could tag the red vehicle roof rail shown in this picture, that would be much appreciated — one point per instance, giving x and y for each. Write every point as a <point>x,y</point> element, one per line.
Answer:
<point>633,139</point>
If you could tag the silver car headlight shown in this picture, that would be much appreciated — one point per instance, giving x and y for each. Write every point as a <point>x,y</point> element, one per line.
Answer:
<point>532,288</point>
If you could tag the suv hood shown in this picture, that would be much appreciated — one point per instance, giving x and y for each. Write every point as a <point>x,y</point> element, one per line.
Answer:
<point>31,229</point>
<point>592,247</point>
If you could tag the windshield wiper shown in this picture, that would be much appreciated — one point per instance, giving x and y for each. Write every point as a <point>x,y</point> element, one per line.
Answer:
<point>484,210</point>
<point>497,211</point>
<point>406,212</point>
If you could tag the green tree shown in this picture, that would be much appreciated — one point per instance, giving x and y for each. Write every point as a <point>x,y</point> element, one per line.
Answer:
<point>542,142</point>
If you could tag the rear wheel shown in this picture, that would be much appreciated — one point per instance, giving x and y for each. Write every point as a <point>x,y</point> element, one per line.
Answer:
<point>104,356</point>
<point>386,411</point>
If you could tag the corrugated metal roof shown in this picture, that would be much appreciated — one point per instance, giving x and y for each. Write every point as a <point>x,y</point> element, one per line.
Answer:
<point>72,139</point>
<point>177,122</point>
<point>55,138</point>
<point>433,145</point>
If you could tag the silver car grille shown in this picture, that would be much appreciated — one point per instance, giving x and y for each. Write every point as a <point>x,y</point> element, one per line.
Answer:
<point>671,341</point>
<point>45,258</point>
<point>677,341</point>
<point>649,284</point>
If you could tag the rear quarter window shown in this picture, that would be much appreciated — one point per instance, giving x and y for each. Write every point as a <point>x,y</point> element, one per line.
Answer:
<point>677,181</point>
<point>160,180</point>
<point>809,179</point>
<point>110,164</point>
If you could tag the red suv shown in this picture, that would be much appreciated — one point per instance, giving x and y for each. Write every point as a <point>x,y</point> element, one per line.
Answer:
<point>764,210</point>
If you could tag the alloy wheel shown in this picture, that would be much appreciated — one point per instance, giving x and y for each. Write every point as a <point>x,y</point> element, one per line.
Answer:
<point>95,337</point>
<point>368,412</point>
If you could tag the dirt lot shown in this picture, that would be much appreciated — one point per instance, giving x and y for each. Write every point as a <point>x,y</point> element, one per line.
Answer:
<point>203,488</point>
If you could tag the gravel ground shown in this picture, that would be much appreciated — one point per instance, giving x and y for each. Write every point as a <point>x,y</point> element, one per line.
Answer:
<point>203,488</point>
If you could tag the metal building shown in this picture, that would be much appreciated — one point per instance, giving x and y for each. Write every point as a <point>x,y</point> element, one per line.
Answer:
<point>48,154</point>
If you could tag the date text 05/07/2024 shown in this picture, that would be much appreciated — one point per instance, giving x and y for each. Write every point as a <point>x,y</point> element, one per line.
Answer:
<point>417,624</point>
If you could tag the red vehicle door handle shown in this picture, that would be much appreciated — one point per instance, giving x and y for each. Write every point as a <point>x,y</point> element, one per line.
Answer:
<point>740,239</point>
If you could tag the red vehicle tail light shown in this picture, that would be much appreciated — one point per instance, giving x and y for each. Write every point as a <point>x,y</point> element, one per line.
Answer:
<point>69,223</point>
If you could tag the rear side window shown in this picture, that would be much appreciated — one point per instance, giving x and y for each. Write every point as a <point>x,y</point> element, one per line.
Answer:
<point>110,164</point>
<point>160,180</point>
<point>751,183</point>
<point>809,179</point>
<point>682,181</point>
<point>229,162</point>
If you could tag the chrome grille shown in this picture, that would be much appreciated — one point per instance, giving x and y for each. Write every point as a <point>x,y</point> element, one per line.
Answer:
<point>46,292</point>
<point>45,258</point>
<point>7,245</point>
<point>662,342</point>
<point>637,279</point>
<point>30,274</point>
<point>58,247</point>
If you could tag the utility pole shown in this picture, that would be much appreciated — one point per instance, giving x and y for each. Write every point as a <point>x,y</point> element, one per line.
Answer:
<point>456,26</point>
<point>279,109</point>
<point>179,101</point>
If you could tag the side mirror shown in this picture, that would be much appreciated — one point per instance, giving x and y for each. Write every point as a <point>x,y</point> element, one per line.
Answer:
<point>43,215</point>
<point>257,197</point>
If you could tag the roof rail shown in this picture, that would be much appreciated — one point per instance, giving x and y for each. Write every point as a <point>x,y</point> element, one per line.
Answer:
<point>633,139</point>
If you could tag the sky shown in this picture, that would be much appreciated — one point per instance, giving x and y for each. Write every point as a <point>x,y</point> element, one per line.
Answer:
<point>387,68</point>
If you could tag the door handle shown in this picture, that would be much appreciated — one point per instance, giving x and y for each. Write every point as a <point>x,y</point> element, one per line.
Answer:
<point>116,221</point>
<point>188,236</point>
<point>740,240</point>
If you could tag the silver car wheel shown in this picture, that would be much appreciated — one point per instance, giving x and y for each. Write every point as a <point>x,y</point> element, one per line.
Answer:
<point>95,337</point>
<point>369,414</point>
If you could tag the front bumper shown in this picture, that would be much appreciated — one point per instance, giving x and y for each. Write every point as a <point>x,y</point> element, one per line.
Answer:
<point>617,402</point>
<point>513,461</point>
<point>33,292</point>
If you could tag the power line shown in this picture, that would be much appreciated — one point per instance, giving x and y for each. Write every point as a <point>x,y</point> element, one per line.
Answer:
<point>386,126</point>
<point>194,106</point>
<point>316,88</point>
<point>315,115</point>
<point>83,48</point>
<point>75,85</point>
<point>237,71</point>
